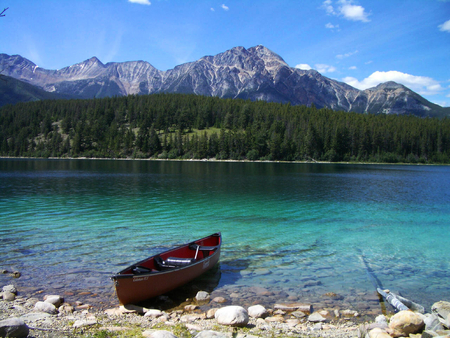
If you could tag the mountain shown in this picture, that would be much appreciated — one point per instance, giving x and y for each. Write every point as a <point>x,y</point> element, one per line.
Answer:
<point>13,91</point>
<point>255,73</point>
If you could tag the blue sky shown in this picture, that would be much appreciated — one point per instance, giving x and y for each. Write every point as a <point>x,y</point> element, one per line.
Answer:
<point>360,42</point>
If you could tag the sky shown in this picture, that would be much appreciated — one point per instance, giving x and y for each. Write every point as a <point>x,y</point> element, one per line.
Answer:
<point>359,42</point>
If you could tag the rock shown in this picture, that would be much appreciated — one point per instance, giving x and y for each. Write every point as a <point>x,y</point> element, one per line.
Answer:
<point>84,322</point>
<point>210,314</point>
<point>13,327</point>
<point>378,333</point>
<point>212,334</point>
<point>350,313</point>
<point>316,317</point>
<point>292,322</point>
<point>429,334</point>
<point>10,288</point>
<point>381,319</point>
<point>158,334</point>
<point>16,274</point>
<point>202,296</point>
<point>45,307</point>
<point>274,319</point>
<point>232,315</point>
<point>66,308</point>
<point>219,300</point>
<point>190,307</point>
<point>307,308</point>
<point>432,322</point>
<point>298,314</point>
<point>441,309</point>
<point>35,316</point>
<point>135,308</point>
<point>405,322</point>
<point>114,311</point>
<point>8,296</point>
<point>153,313</point>
<point>190,318</point>
<point>257,311</point>
<point>56,300</point>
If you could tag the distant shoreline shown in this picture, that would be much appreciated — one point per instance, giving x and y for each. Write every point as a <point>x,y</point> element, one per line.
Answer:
<point>215,160</point>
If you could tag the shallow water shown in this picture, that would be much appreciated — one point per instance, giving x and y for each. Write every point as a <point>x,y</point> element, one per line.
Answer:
<point>290,231</point>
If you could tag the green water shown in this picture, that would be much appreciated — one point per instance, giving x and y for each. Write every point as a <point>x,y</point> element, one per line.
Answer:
<point>291,232</point>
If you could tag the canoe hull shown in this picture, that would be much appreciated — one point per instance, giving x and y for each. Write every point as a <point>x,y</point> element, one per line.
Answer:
<point>134,288</point>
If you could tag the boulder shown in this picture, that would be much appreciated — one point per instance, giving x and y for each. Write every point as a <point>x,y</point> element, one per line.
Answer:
<point>54,299</point>
<point>45,307</point>
<point>210,314</point>
<point>232,315</point>
<point>202,296</point>
<point>10,288</point>
<point>13,327</point>
<point>432,322</point>
<point>316,318</point>
<point>257,311</point>
<point>405,322</point>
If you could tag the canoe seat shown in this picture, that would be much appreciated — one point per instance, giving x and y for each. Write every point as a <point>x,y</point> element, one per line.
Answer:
<point>172,262</point>
<point>194,246</point>
<point>139,269</point>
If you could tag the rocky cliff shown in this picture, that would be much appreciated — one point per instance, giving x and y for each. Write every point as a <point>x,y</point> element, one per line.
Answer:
<point>255,73</point>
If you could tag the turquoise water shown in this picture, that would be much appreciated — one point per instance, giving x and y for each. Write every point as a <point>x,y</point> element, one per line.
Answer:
<point>291,232</point>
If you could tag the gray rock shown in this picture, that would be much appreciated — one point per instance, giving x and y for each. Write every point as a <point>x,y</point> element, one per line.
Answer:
<point>54,299</point>
<point>13,327</point>
<point>10,288</point>
<point>429,334</point>
<point>8,296</point>
<point>158,334</point>
<point>202,296</point>
<point>432,322</point>
<point>232,315</point>
<point>35,316</point>
<point>84,322</point>
<point>211,334</point>
<point>153,313</point>
<point>441,309</point>
<point>316,318</point>
<point>46,307</point>
<point>257,311</point>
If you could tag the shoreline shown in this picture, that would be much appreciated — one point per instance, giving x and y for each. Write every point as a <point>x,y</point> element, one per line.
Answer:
<point>219,161</point>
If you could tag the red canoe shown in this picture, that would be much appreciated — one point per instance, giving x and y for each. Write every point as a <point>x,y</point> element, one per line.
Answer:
<point>168,270</point>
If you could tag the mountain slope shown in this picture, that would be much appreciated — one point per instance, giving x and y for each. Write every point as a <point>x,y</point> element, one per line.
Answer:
<point>255,73</point>
<point>13,91</point>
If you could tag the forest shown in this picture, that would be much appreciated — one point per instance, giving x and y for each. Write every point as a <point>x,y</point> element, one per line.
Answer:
<point>187,126</point>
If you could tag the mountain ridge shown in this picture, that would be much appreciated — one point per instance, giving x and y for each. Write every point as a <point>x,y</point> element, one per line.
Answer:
<point>256,73</point>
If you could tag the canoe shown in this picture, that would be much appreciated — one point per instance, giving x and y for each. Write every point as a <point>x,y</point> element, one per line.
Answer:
<point>168,270</point>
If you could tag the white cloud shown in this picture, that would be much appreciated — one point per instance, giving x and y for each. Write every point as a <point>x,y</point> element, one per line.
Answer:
<point>342,56</point>
<point>331,26</point>
<point>212,9</point>
<point>421,84</point>
<point>445,27</point>
<point>303,66</point>
<point>140,2</point>
<point>346,9</point>
<point>322,68</point>
<point>352,68</point>
<point>225,7</point>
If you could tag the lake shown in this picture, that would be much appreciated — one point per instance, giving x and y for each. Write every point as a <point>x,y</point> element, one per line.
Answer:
<point>326,234</point>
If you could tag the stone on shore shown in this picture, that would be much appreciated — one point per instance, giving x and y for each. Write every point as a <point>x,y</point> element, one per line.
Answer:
<point>8,296</point>
<point>212,334</point>
<point>13,327</point>
<point>316,318</point>
<point>219,300</point>
<point>153,313</point>
<point>202,296</point>
<point>442,310</point>
<point>405,322</point>
<point>257,311</point>
<point>10,288</point>
<point>307,308</point>
<point>56,300</point>
<point>84,322</point>
<point>158,334</point>
<point>378,333</point>
<point>135,308</point>
<point>232,315</point>
<point>46,307</point>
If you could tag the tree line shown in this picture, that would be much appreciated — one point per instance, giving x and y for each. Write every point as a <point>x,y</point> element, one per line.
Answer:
<point>187,126</point>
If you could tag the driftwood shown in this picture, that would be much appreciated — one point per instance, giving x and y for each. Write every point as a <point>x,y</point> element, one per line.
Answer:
<point>391,299</point>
